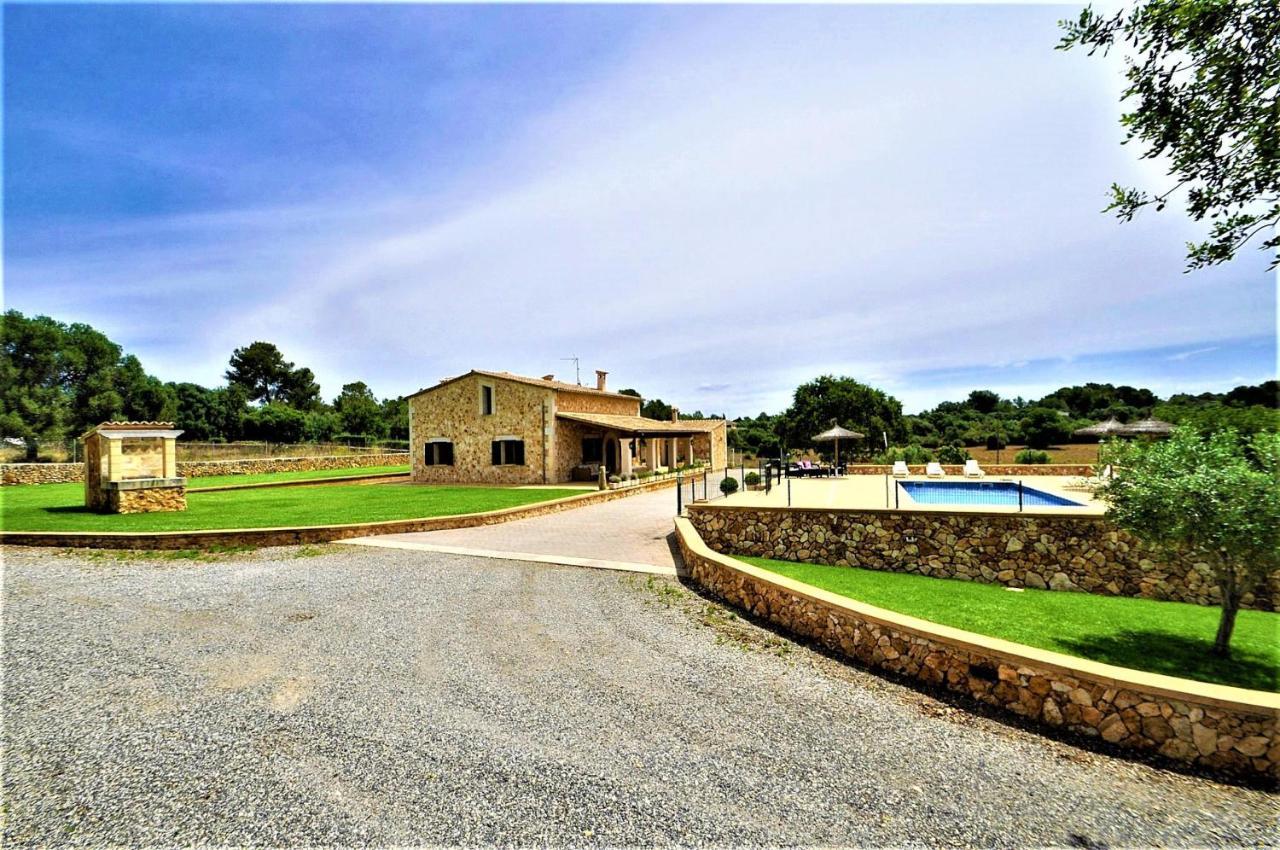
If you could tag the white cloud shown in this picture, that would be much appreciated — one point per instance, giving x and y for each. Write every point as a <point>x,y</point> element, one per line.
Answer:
<point>725,213</point>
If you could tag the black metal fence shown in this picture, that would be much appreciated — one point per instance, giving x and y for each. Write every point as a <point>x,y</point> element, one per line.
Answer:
<point>706,485</point>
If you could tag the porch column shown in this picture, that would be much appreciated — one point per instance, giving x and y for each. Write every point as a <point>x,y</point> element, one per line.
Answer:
<point>624,455</point>
<point>691,458</point>
<point>672,453</point>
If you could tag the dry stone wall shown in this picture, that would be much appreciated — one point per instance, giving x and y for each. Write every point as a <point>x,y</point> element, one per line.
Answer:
<point>70,473</point>
<point>1081,553</point>
<point>1187,725</point>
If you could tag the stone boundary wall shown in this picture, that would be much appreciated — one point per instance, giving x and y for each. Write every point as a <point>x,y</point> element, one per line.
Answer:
<point>1230,731</point>
<point>259,537</point>
<point>1084,470</point>
<point>71,473</point>
<point>1043,551</point>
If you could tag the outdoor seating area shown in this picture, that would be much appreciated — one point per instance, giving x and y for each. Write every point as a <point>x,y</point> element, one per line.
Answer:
<point>809,469</point>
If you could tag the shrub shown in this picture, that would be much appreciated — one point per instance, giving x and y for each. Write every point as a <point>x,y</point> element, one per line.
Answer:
<point>1031,456</point>
<point>952,454</point>
<point>613,478</point>
<point>751,479</point>
<point>645,474</point>
<point>729,485</point>
<point>911,454</point>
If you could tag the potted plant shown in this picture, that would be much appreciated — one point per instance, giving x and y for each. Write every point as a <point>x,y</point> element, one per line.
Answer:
<point>729,485</point>
<point>613,481</point>
<point>752,480</point>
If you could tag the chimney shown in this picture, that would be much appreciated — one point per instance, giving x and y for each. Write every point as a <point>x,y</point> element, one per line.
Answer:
<point>675,414</point>
<point>548,377</point>
<point>600,380</point>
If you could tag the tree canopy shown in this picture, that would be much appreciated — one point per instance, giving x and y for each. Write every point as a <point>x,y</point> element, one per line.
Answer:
<point>1203,91</point>
<point>850,403</point>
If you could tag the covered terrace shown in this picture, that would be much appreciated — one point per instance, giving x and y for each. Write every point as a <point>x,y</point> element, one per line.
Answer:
<point>626,444</point>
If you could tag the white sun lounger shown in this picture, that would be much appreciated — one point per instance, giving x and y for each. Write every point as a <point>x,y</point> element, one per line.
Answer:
<point>900,469</point>
<point>972,470</point>
<point>934,470</point>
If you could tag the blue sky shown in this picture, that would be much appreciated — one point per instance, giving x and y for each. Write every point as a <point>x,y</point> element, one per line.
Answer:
<point>713,203</point>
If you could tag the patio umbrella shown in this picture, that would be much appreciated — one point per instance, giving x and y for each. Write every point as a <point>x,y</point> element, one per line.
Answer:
<point>836,433</point>
<point>1148,427</point>
<point>1100,429</point>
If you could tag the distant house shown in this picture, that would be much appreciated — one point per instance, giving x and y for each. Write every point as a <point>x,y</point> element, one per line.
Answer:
<point>500,428</point>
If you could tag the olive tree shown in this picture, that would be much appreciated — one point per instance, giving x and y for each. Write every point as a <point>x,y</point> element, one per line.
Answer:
<point>1203,95</point>
<point>1211,499</point>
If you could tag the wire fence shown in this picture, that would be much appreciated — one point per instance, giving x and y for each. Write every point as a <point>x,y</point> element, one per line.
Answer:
<point>71,451</point>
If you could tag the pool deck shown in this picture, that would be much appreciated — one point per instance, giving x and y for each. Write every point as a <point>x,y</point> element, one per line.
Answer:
<point>855,492</point>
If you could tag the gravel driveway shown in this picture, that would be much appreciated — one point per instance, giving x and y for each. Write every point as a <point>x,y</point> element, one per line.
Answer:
<point>379,696</point>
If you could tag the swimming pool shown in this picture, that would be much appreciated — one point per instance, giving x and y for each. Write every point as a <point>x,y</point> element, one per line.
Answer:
<point>982,493</point>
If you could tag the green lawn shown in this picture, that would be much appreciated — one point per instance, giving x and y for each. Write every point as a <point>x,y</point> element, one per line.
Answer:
<point>60,507</point>
<point>1162,637</point>
<point>306,475</point>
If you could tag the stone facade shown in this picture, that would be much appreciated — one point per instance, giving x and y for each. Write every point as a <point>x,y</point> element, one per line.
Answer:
<point>141,501</point>
<point>1182,721</point>
<point>72,473</point>
<point>452,412</point>
<point>540,413</point>
<point>1082,553</point>
<point>568,401</point>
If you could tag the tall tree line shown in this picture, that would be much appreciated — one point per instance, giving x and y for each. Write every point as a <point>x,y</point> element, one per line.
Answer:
<point>58,380</point>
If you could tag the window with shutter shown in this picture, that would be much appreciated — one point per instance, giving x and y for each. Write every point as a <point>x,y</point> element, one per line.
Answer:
<point>438,454</point>
<point>508,452</point>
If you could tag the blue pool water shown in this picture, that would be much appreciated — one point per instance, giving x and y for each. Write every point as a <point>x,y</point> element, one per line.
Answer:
<point>981,493</point>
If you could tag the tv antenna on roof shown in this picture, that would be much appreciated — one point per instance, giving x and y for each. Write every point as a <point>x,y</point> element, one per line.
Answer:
<point>577,373</point>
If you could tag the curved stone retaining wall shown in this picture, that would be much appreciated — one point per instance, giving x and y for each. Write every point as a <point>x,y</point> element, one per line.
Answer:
<point>1227,730</point>
<point>70,473</point>
<point>1081,553</point>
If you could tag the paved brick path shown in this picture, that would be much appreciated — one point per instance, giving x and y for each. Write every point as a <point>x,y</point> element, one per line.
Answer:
<point>631,533</point>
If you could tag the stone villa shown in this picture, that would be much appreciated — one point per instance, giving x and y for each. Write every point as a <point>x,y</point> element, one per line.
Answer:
<point>500,428</point>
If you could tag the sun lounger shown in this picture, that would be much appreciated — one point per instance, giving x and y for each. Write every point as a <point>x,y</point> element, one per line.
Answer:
<point>1091,483</point>
<point>972,470</point>
<point>934,470</point>
<point>900,469</point>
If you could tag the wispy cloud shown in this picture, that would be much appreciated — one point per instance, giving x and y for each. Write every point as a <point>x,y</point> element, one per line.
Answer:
<point>1195,352</point>
<point>719,213</point>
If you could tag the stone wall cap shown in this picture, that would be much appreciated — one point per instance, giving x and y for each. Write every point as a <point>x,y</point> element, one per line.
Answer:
<point>144,484</point>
